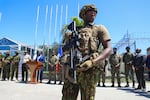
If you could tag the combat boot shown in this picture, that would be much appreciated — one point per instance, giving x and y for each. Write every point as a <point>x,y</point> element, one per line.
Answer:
<point>104,85</point>
<point>112,85</point>
<point>133,85</point>
<point>119,85</point>
<point>49,82</point>
<point>127,85</point>
<point>98,85</point>
<point>60,82</point>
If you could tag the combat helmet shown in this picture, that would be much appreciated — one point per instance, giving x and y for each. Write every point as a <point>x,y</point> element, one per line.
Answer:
<point>127,48</point>
<point>86,8</point>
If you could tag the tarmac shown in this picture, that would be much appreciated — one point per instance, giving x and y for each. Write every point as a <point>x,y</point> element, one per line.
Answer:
<point>13,90</point>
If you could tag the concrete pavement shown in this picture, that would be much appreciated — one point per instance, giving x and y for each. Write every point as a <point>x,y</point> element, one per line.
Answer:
<point>11,90</point>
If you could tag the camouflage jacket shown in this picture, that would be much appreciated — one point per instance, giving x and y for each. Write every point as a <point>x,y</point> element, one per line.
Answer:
<point>114,59</point>
<point>128,57</point>
<point>16,59</point>
<point>7,60</point>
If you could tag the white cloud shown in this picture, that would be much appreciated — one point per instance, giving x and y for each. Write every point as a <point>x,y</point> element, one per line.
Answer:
<point>0,16</point>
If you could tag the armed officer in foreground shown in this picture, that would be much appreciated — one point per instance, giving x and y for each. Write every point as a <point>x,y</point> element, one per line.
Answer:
<point>91,36</point>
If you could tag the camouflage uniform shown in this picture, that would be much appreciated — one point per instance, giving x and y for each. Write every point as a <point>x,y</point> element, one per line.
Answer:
<point>114,61</point>
<point>52,68</point>
<point>88,79</point>
<point>91,35</point>
<point>102,73</point>
<point>15,65</point>
<point>1,63</point>
<point>128,59</point>
<point>6,66</point>
<point>69,90</point>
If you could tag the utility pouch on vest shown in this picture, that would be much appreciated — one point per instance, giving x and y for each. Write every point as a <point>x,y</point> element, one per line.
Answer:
<point>93,44</point>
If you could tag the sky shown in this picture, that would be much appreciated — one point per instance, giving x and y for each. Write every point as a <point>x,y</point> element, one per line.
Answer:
<point>18,18</point>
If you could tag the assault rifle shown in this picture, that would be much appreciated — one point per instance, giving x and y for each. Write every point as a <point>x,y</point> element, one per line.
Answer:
<point>74,41</point>
<point>72,45</point>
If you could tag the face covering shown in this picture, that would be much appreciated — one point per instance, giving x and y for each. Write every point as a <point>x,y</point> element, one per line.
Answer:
<point>128,50</point>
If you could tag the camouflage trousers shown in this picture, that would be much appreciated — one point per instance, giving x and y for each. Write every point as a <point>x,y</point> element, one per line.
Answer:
<point>70,91</point>
<point>14,71</point>
<point>87,83</point>
<point>129,70</point>
<point>52,73</point>
<point>0,72</point>
<point>101,76</point>
<point>6,71</point>
<point>115,71</point>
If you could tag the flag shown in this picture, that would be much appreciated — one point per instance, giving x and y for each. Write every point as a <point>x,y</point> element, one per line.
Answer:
<point>60,51</point>
<point>57,68</point>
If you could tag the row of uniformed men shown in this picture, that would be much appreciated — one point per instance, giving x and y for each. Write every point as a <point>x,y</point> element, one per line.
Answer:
<point>5,63</point>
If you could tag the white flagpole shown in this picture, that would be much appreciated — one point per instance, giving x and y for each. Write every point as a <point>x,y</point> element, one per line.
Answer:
<point>66,13</point>
<point>49,32</point>
<point>45,24</point>
<point>56,21</point>
<point>36,27</point>
<point>50,24</point>
<point>61,20</point>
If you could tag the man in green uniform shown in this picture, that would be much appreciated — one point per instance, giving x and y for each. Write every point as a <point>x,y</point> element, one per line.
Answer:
<point>91,35</point>
<point>52,67</point>
<point>1,62</point>
<point>15,65</point>
<point>128,59</point>
<point>6,66</point>
<point>114,61</point>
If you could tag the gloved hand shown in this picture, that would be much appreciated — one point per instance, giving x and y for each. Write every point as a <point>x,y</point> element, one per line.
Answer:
<point>94,55</point>
<point>86,65</point>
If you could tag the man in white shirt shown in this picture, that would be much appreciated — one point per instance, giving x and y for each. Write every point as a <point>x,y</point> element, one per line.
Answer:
<point>25,59</point>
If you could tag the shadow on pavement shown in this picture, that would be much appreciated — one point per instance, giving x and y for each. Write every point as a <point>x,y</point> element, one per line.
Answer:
<point>138,92</point>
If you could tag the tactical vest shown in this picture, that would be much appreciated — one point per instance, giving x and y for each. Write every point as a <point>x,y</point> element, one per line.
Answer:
<point>91,44</point>
<point>127,57</point>
<point>1,58</point>
<point>114,59</point>
<point>7,60</point>
<point>89,39</point>
<point>65,59</point>
<point>53,59</point>
<point>16,58</point>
